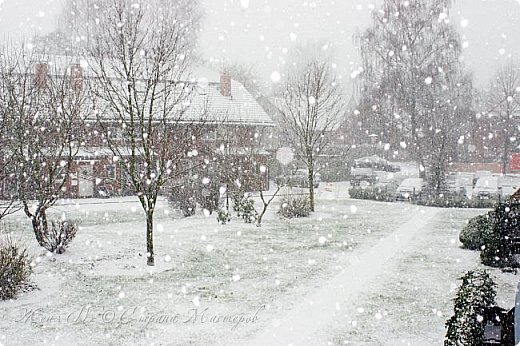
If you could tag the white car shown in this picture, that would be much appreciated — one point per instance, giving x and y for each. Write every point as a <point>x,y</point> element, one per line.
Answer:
<point>486,188</point>
<point>460,183</point>
<point>410,188</point>
<point>508,185</point>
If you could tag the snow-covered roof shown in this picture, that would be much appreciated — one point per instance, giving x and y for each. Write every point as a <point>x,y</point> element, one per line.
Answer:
<point>240,108</point>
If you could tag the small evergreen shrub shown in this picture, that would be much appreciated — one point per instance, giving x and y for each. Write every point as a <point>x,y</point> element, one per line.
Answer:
<point>247,211</point>
<point>499,247</point>
<point>15,269</point>
<point>292,207</point>
<point>237,196</point>
<point>223,216</point>
<point>58,235</point>
<point>475,294</point>
<point>477,232</point>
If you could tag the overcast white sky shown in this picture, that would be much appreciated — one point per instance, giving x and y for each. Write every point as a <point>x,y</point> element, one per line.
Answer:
<point>256,32</point>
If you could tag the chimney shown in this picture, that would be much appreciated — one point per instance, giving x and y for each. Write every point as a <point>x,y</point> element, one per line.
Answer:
<point>76,77</point>
<point>40,73</point>
<point>225,84</point>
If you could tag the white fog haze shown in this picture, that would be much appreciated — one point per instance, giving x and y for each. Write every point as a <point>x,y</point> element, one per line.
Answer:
<point>260,172</point>
<point>257,32</point>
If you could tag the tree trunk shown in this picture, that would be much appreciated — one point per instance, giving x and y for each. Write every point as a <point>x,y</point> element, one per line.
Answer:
<point>150,260</point>
<point>259,218</point>
<point>311,187</point>
<point>37,229</point>
<point>38,222</point>
<point>505,155</point>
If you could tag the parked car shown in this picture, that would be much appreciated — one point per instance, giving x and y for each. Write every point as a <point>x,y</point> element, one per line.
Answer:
<point>299,179</point>
<point>508,185</point>
<point>410,188</point>
<point>486,188</point>
<point>460,184</point>
<point>481,174</point>
<point>369,168</point>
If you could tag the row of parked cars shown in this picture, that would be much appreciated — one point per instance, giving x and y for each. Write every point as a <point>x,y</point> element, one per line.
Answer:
<point>481,186</point>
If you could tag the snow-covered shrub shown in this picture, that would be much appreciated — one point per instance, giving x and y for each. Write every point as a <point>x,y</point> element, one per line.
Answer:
<point>192,192</point>
<point>499,247</point>
<point>475,294</point>
<point>355,192</point>
<point>481,203</point>
<point>209,198</point>
<point>58,235</point>
<point>295,207</point>
<point>384,194</point>
<point>447,199</point>
<point>182,197</point>
<point>477,232</point>
<point>15,269</point>
<point>246,210</point>
<point>223,216</point>
<point>237,197</point>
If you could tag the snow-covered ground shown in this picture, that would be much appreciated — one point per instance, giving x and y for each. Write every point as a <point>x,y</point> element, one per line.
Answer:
<point>355,272</point>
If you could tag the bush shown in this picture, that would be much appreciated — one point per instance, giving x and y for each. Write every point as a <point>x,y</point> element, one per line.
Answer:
<point>448,199</point>
<point>58,235</point>
<point>477,232</point>
<point>374,193</point>
<point>481,203</point>
<point>237,196</point>
<point>499,248</point>
<point>208,196</point>
<point>191,192</point>
<point>182,197</point>
<point>247,211</point>
<point>15,269</point>
<point>223,216</point>
<point>295,207</point>
<point>476,294</point>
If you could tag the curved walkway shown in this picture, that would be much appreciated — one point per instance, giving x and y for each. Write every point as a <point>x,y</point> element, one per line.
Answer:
<point>306,323</point>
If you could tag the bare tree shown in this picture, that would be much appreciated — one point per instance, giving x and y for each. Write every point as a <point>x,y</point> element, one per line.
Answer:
<point>8,195</point>
<point>447,115</point>
<point>310,106</point>
<point>246,169</point>
<point>504,102</point>
<point>43,108</point>
<point>266,201</point>
<point>140,55</point>
<point>410,52</point>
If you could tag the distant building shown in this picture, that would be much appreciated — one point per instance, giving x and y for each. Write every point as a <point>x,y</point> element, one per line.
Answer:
<point>232,125</point>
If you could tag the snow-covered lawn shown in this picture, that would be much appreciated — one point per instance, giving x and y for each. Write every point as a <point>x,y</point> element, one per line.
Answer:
<point>376,273</point>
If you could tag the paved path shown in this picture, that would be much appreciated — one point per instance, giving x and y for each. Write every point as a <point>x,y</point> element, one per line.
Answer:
<point>307,323</point>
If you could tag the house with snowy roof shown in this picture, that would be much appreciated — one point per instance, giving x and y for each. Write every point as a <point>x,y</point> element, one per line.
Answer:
<point>232,124</point>
<point>233,120</point>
